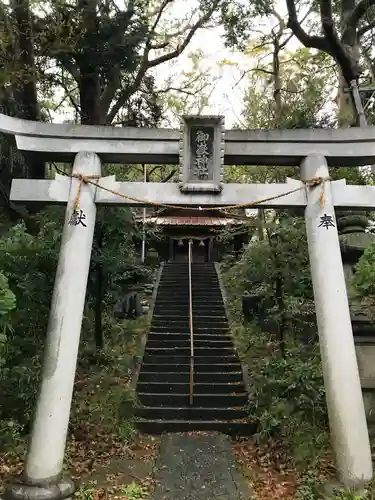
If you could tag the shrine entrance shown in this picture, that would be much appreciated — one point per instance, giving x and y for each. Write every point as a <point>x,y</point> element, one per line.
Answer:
<point>199,250</point>
<point>203,227</point>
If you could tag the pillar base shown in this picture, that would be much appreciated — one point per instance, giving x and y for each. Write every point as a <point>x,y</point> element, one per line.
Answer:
<point>334,487</point>
<point>61,490</point>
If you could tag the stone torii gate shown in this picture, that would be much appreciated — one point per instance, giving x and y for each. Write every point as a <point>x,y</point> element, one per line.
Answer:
<point>202,147</point>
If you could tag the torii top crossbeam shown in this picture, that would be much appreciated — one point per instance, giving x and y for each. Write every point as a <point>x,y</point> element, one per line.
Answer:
<point>61,142</point>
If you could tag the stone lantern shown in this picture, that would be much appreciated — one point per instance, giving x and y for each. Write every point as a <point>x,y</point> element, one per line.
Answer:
<point>353,242</point>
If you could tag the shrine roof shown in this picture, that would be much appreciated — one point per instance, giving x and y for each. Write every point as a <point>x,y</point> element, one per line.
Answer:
<point>205,220</point>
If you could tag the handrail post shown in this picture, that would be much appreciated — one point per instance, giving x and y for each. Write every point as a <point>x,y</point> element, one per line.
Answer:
<point>191,329</point>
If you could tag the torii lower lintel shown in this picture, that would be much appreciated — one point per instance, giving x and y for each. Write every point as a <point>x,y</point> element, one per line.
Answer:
<point>57,192</point>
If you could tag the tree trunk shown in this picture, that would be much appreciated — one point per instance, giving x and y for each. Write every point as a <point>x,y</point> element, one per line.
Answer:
<point>89,85</point>
<point>277,81</point>
<point>99,337</point>
<point>279,294</point>
<point>347,115</point>
<point>26,90</point>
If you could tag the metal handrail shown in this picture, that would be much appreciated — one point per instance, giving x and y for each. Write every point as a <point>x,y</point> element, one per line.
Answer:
<point>191,329</point>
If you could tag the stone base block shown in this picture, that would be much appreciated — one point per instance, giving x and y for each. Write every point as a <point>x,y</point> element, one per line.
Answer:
<point>333,488</point>
<point>62,490</point>
<point>365,350</point>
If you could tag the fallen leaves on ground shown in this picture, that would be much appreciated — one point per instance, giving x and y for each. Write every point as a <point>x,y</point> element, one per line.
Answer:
<point>11,464</point>
<point>266,469</point>
<point>92,447</point>
<point>269,471</point>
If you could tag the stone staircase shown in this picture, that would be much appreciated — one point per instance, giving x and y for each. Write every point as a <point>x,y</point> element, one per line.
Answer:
<point>220,397</point>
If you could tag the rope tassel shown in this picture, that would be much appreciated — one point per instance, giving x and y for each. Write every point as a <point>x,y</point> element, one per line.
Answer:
<point>319,181</point>
<point>83,179</point>
<point>322,196</point>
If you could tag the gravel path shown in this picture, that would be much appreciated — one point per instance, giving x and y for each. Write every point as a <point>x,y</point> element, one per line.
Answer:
<point>198,467</point>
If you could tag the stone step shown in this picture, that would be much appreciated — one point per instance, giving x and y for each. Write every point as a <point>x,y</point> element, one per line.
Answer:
<point>184,367</point>
<point>206,303</point>
<point>196,278</point>
<point>167,310</point>
<point>163,295</point>
<point>180,296</point>
<point>171,337</point>
<point>204,280</point>
<point>184,323</point>
<point>185,359</point>
<point>229,427</point>
<point>222,388</point>
<point>181,286</point>
<point>185,344</point>
<point>170,301</point>
<point>196,298</point>
<point>197,329</point>
<point>187,412</point>
<point>200,400</point>
<point>185,350</point>
<point>210,335</point>
<point>185,317</point>
<point>159,312</point>
<point>183,377</point>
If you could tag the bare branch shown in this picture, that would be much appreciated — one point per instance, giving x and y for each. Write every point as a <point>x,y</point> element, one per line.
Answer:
<point>69,66</point>
<point>347,64</point>
<point>310,41</point>
<point>362,31</point>
<point>147,64</point>
<point>175,53</point>
<point>255,70</point>
<point>169,176</point>
<point>69,94</point>
<point>176,89</point>
<point>359,11</point>
<point>281,23</point>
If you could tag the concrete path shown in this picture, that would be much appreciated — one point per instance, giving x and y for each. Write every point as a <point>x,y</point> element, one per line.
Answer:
<point>198,467</point>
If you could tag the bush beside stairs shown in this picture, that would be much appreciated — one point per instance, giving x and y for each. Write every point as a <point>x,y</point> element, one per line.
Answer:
<point>220,398</point>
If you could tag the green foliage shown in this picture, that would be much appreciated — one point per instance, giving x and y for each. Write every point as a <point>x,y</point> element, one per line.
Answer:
<point>10,433</point>
<point>364,278</point>
<point>305,88</point>
<point>239,18</point>
<point>132,491</point>
<point>7,298</point>
<point>276,269</point>
<point>288,398</point>
<point>86,491</point>
<point>312,487</point>
<point>135,491</point>
<point>7,304</point>
<point>28,264</point>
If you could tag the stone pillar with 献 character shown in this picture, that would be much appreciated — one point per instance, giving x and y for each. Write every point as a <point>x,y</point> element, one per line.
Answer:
<point>43,479</point>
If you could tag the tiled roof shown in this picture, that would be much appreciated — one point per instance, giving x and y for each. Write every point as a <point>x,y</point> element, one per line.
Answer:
<point>174,220</point>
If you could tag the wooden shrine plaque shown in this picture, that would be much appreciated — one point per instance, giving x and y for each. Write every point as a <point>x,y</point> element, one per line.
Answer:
<point>201,154</point>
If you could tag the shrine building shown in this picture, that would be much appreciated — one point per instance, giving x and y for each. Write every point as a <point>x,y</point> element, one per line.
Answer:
<point>203,227</point>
